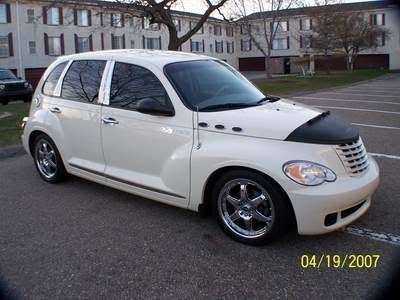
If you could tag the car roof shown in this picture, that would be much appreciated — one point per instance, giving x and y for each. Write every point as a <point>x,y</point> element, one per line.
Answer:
<point>155,57</point>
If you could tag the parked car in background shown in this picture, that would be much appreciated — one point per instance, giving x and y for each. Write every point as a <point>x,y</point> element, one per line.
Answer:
<point>13,88</point>
<point>191,131</point>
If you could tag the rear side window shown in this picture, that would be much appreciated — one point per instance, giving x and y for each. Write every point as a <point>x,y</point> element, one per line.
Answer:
<point>82,81</point>
<point>131,83</point>
<point>51,81</point>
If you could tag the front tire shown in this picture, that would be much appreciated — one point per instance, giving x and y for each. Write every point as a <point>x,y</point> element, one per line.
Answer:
<point>250,207</point>
<point>48,160</point>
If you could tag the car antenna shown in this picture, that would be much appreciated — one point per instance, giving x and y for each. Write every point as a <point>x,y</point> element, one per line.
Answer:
<point>198,129</point>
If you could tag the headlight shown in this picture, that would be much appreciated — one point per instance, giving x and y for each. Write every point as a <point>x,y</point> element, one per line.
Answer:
<point>2,86</point>
<point>308,173</point>
<point>26,85</point>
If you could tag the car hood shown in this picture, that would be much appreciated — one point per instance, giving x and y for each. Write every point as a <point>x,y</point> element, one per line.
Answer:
<point>7,81</point>
<point>273,120</point>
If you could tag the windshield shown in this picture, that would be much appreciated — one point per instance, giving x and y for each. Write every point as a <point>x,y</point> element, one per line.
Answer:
<point>206,84</point>
<point>6,74</point>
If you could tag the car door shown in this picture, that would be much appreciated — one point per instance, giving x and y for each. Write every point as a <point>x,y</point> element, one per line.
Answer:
<point>75,116</point>
<point>145,154</point>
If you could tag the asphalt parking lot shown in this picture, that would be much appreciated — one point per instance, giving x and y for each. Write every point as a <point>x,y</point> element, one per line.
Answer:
<point>79,239</point>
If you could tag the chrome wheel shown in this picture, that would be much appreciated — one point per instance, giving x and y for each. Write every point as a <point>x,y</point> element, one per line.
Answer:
<point>46,159</point>
<point>246,208</point>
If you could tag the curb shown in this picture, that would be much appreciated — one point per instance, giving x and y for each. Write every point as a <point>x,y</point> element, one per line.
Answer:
<point>11,151</point>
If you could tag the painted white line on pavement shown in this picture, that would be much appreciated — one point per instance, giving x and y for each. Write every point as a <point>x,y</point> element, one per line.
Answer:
<point>352,94</point>
<point>359,109</point>
<point>384,155</point>
<point>370,90</point>
<point>346,100</point>
<point>375,126</point>
<point>373,235</point>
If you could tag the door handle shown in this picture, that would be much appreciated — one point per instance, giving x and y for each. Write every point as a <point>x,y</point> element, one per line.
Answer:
<point>55,110</point>
<point>109,121</point>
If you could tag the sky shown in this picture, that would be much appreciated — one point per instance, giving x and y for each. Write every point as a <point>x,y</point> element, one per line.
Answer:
<point>198,6</point>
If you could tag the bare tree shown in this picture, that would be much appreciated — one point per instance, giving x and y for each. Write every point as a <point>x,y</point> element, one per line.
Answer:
<point>323,37</point>
<point>269,15</point>
<point>355,33</point>
<point>161,12</point>
<point>342,32</point>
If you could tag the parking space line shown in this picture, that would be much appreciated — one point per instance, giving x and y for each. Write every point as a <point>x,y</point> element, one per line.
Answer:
<point>373,235</point>
<point>346,100</point>
<point>359,109</point>
<point>384,96</point>
<point>376,126</point>
<point>370,90</point>
<point>384,155</point>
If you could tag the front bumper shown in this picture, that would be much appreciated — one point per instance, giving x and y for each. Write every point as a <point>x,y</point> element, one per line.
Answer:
<point>25,94</point>
<point>312,205</point>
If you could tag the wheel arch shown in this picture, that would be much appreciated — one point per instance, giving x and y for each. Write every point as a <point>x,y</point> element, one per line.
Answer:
<point>205,205</point>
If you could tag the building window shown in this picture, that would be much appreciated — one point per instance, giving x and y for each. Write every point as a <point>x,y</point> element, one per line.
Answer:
<point>53,16</point>
<point>380,40</point>
<point>132,44</point>
<point>245,45</point>
<point>3,13</point>
<point>378,19</point>
<point>305,24</point>
<point>83,44</point>
<point>178,24</point>
<point>229,31</point>
<point>32,47</point>
<point>54,45</point>
<point>217,30</point>
<point>193,25</point>
<point>230,47</point>
<point>305,41</point>
<point>151,43</point>
<point>116,20</point>
<point>30,15</point>
<point>197,46</point>
<point>211,48</point>
<point>147,25</point>
<point>82,17</point>
<point>280,44</point>
<point>219,47</point>
<point>4,47</point>
<point>281,26</point>
<point>117,42</point>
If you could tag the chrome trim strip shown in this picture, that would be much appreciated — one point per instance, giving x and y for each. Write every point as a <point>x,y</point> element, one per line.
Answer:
<point>126,181</point>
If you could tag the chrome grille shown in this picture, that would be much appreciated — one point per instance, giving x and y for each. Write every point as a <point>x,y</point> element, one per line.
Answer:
<point>354,157</point>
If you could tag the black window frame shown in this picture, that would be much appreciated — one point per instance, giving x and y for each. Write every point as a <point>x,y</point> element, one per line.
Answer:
<point>167,100</point>
<point>102,77</point>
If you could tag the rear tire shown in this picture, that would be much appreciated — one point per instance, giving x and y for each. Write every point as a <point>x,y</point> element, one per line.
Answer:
<point>48,160</point>
<point>250,207</point>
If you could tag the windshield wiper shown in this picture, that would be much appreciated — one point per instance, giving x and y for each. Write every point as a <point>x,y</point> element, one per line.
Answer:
<point>226,105</point>
<point>268,99</point>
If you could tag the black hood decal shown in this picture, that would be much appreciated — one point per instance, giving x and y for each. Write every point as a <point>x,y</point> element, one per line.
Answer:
<point>324,129</point>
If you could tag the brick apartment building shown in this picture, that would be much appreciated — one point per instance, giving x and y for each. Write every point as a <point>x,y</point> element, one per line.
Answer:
<point>33,33</point>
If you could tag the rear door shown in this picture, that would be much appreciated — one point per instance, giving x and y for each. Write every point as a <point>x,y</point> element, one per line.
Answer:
<point>75,115</point>
<point>145,154</point>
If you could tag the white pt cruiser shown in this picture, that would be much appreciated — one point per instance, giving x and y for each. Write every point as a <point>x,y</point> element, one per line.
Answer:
<point>191,131</point>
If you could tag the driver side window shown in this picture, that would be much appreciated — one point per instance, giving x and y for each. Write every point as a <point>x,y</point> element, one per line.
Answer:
<point>131,83</point>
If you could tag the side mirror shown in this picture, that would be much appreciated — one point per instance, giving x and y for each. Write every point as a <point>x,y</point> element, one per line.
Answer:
<point>151,106</point>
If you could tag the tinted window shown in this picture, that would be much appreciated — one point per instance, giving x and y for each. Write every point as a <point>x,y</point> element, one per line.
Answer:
<point>82,81</point>
<point>6,74</point>
<point>205,83</point>
<point>51,81</point>
<point>131,83</point>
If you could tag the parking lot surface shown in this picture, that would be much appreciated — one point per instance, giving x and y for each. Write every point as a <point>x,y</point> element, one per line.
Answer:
<point>79,239</point>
